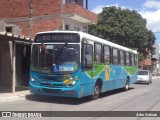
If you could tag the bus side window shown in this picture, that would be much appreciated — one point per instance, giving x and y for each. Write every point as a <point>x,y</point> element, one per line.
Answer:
<point>98,52</point>
<point>132,58</point>
<point>87,61</point>
<point>115,56</point>
<point>107,55</point>
<point>122,57</point>
<point>135,60</point>
<point>127,59</point>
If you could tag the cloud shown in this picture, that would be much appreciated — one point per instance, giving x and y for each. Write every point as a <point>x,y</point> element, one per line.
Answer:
<point>153,19</point>
<point>152,16</point>
<point>99,8</point>
<point>152,4</point>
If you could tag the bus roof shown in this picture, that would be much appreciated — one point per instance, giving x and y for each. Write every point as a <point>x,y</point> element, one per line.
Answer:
<point>94,38</point>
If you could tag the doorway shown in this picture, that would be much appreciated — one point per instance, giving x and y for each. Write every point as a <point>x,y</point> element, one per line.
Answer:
<point>23,52</point>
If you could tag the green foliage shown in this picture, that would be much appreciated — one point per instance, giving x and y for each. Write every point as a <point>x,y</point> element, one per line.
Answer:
<point>124,27</point>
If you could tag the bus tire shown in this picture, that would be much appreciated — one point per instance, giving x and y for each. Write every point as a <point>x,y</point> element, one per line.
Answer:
<point>96,92</point>
<point>126,88</point>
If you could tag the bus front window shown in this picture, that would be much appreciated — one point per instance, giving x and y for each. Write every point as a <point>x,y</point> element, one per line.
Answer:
<point>54,59</point>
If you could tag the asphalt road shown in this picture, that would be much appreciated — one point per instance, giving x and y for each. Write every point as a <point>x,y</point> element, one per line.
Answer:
<point>140,97</point>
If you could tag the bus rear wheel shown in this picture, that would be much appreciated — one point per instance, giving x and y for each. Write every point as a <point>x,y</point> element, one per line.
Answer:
<point>126,88</point>
<point>96,92</point>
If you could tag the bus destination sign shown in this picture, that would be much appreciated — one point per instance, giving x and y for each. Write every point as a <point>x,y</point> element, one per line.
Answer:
<point>57,37</point>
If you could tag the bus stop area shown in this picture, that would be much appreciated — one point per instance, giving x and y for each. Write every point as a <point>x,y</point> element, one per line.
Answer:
<point>15,53</point>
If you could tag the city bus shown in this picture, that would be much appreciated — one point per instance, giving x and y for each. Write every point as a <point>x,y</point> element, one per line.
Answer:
<point>76,64</point>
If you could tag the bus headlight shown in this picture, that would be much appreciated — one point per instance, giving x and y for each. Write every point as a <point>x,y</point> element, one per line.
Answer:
<point>32,79</point>
<point>71,84</point>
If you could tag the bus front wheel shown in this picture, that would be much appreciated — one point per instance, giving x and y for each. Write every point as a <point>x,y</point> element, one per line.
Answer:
<point>96,92</point>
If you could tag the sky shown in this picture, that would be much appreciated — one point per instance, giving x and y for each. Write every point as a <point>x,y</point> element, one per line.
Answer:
<point>149,9</point>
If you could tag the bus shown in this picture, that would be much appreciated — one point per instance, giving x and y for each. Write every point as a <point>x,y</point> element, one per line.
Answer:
<point>76,64</point>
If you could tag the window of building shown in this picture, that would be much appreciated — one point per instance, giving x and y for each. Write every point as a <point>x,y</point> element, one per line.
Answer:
<point>97,53</point>
<point>9,29</point>
<point>115,56</point>
<point>107,55</point>
<point>70,1</point>
<point>67,27</point>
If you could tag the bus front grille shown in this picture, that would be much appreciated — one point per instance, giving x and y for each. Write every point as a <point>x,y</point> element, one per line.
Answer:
<point>51,90</point>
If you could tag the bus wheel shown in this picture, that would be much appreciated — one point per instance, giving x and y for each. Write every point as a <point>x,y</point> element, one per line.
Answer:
<point>96,92</point>
<point>126,85</point>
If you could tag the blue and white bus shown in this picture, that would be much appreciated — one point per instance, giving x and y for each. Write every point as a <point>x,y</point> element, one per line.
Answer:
<point>76,64</point>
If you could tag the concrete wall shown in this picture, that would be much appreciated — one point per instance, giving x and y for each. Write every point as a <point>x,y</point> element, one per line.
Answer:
<point>5,63</point>
<point>2,26</point>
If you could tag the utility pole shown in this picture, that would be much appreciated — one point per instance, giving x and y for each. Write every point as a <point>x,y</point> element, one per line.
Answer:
<point>30,18</point>
<point>61,16</point>
<point>87,4</point>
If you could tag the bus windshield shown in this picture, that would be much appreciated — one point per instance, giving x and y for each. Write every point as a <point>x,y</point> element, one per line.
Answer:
<point>55,58</point>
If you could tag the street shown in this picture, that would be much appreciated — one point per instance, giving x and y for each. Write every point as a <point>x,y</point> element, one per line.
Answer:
<point>140,97</point>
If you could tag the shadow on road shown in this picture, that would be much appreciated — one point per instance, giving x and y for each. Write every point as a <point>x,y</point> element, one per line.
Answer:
<point>114,92</point>
<point>58,100</point>
<point>141,84</point>
<point>67,100</point>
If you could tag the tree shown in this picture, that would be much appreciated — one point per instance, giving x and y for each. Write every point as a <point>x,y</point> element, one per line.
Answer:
<point>124,27</point>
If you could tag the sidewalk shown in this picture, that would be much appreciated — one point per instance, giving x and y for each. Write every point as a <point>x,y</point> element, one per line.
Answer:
<point>155,77</point>
<point>13,96</point>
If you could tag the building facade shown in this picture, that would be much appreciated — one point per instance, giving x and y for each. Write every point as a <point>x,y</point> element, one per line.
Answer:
<point>20,18</point>
<point>155,60</point>
<point>32,16</point>
<point>151,62</point>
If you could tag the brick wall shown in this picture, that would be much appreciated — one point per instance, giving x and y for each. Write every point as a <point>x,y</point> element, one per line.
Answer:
<point>46,25</point>
<point>14,8</point>
<point>46,7</point>
<point>45,14</point>
<point>21,8</point>
<point>24,27</point>
<point>79,10</point>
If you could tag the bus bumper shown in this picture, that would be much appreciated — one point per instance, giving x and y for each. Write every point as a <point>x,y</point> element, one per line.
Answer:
<point>63,92</point>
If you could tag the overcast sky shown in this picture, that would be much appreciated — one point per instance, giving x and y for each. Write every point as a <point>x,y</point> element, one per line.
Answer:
<point>149,9</point>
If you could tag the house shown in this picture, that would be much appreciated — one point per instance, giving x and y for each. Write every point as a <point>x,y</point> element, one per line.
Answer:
<point>27,17</point>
